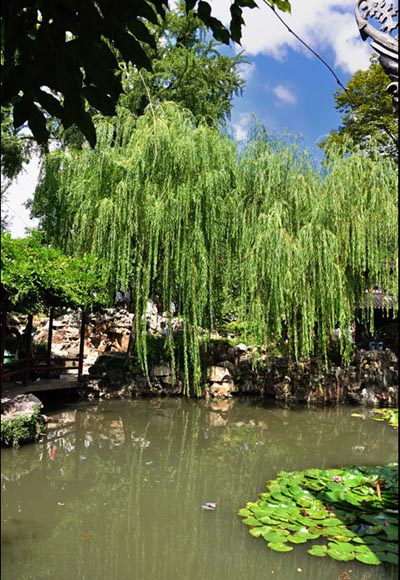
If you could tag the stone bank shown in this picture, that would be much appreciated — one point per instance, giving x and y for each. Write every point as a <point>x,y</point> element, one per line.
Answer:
<point>371,378</point>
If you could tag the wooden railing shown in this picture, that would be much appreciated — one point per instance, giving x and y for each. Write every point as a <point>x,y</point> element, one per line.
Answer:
<point>41,366</point>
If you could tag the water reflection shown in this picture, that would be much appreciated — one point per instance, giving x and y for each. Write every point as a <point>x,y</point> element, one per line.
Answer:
<point>115,489</point>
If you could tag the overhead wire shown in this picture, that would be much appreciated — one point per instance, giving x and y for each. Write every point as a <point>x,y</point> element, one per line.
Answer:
<point>319,57</point>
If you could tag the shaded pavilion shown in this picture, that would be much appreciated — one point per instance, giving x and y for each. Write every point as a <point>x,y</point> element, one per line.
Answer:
<point>29,305</point>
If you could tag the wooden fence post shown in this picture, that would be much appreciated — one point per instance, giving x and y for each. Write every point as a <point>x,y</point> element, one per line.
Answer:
<point>28,355</point>
<point>50,338</point>
<point>3,329</point>
<point>82,344</point>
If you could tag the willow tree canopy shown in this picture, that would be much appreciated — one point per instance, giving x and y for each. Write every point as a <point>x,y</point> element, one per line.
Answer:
<point>173,208</point>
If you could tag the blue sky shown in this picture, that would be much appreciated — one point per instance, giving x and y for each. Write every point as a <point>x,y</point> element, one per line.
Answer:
<point>294,96</point>
<point>287,87</point>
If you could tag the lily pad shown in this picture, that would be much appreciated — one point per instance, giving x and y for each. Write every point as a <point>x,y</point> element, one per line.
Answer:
<point>341,556</point>
<point>252,521</point>
<point>388,557</point>
<point>279,547</point>
<point>299,538</point>
<point>293,527</point>
<point>390,415</point>
<point>276,537</point>
<point>314,533</point>
<point>260,531</point>
<point>268,521</point>
<point>318,515</point>
<point>331,522</point>
<point>365,540</point>
<point>342,547</point>
<point>334,496</point>
<point>340,505</point>
<point>315,473</point>
<point>341,534</point>
<point>280,498</point>
<point>368,558</point>
<point>392,533</point>
<point>244,512</point>
<point>320,551</point>
<point>261,513</point>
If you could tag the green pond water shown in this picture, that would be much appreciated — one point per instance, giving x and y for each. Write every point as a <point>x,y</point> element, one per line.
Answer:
<point>115,488</point>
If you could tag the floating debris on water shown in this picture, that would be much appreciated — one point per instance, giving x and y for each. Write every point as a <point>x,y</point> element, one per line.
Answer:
<point>209,506</point>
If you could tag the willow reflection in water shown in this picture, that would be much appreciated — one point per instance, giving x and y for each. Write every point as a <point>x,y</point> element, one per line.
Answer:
<point>114,492</point>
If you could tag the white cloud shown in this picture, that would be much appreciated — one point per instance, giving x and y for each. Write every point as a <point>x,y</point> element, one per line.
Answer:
<point>246,70</point>
<point>242,126</point>
<point>284,94</point>
<point>351,53</point>
<point>323,24</point>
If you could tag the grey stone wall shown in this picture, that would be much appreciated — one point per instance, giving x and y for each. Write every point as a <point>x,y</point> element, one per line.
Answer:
<point>370,379</point>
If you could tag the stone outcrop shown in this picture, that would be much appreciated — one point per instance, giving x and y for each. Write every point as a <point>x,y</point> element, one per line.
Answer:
<point>370,379</point>
<point>21,420</point>
<point>106,331</point>
<point>21,405</point>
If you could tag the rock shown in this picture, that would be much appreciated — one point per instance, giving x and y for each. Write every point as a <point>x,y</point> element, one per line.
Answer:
<point>21,421</point>
<point>220,405</point>
<point>221,391</point>
<point>20,405</point>
<point>239,348</point>
<point>161,370</point>
<point>371,377</point>
<point>218,374</point>
<point>217,420</point>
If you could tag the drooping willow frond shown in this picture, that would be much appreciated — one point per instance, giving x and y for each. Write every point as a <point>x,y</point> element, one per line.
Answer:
<point>173,208</point>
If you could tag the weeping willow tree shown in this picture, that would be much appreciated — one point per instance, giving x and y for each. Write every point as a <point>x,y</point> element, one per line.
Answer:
<point>153,203</point>
<point>171,206</point>
<point>310,237</point>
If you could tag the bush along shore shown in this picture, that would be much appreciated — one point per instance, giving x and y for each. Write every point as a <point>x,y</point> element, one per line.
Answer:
<point>21,420</point>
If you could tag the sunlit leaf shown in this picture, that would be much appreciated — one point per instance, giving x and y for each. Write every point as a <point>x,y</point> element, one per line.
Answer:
<point>368,558</point>
<point>320,551</point>
<point>279,547</point>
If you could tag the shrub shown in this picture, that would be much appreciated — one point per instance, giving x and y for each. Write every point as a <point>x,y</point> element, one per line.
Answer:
<point>22,429</point>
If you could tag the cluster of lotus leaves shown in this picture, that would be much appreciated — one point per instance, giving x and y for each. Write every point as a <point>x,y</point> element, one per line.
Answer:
<point>347,514</point>
<point>390,415</point>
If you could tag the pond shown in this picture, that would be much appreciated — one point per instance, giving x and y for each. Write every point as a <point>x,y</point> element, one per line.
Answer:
<point>115,489</point>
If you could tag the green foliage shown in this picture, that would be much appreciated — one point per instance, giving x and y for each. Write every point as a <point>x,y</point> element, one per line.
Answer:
<point>14,150</point>
<point>235,328</point>
<point>39,276</point>
<point>352,511</point>
<point>187,69</point>
<point>22,429</point>
<point>171,207</point>
<point>390,415</point>
<point>83,36</point>
<point>367,113</point>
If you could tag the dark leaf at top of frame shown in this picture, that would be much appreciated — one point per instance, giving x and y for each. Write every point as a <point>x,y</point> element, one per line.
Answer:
<point>49,102</point>
<point>100,101</point>
<point>85,123</point>
<point>21,111</point>
<point>236,22</point>
<point>37,124</point>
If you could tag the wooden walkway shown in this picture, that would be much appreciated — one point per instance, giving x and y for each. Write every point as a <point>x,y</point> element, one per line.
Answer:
<point>69,382</point>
